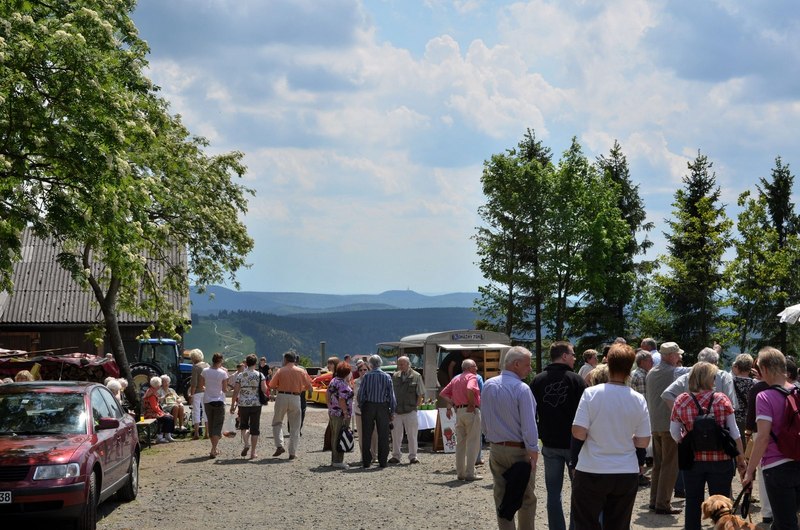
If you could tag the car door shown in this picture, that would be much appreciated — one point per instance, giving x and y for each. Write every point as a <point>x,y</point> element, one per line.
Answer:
<point>124,436</point>
<point>106,443</point>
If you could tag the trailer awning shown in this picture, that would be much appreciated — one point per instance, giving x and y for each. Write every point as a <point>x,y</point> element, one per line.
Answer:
<point>473,346</point>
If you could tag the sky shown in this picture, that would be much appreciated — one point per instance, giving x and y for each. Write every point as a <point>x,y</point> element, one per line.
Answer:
<point>366,123</point>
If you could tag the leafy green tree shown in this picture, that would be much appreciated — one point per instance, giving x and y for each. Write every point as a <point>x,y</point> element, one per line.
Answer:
<point>699,236</point>
<point>607,310</point>
<point>90,155</point>
<point>516,185</point>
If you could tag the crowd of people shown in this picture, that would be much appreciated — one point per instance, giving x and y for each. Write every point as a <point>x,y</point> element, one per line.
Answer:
<point>594,427</point>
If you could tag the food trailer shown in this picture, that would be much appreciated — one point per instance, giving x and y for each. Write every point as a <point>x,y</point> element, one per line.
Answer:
<point>427,350</point>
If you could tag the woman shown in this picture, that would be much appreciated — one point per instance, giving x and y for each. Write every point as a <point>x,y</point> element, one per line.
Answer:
<point>23,375</point>
<point>196,391</point>
<point>245,395</point>
<point>714,468</point>
<point>214,380</point>
<point>781,474</point>
<point>171,402</point>
<point>610,432</point>
<point>742,383</point>
<point>340,408</point>
<point>115,388</point>
<point>363,368</point>
<point>152,410</point>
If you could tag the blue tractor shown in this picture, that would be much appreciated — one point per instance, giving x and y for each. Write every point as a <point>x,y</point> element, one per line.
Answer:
<point>156,357</point>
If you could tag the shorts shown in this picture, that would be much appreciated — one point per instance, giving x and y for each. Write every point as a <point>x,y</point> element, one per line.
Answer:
<point>250,418</point>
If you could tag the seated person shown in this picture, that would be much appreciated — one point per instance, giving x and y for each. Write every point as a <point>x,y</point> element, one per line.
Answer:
<point>171,402</point>
<point>116,389</point>
<point>152,410</point>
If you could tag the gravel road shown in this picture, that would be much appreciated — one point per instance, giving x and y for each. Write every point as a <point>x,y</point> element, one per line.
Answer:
<point>181,488</point>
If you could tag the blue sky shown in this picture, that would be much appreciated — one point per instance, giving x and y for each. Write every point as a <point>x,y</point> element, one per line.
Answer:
<point>365,124</point>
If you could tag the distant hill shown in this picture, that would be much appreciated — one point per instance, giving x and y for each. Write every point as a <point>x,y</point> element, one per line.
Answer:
<point>225,299</point>
<point>238,333</point>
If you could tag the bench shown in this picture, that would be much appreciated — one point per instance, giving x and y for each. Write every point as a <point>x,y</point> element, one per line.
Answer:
<point>146,426</point>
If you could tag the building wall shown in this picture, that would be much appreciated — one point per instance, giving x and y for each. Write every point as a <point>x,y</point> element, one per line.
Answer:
<point>62,340</point>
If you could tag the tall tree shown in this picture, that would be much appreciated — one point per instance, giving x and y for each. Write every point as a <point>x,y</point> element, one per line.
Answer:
<point>606,310</point>
<point>699,236</point>
<point>90,155</point>
<point>516,185</point>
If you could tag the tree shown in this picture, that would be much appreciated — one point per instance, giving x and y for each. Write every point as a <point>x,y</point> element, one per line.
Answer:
<point>90,155</point>
<point>699,236</point>
<point>606,310</point>
<point>516,185</point>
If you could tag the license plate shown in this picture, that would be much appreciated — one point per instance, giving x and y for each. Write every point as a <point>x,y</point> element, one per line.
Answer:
<point>5,497</point>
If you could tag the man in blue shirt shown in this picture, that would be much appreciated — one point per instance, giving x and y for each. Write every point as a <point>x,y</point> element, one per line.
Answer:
<point>377,402</point>
<point>509,423</point>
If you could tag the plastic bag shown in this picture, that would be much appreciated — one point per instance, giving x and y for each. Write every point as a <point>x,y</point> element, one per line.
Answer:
<point>229,427</point>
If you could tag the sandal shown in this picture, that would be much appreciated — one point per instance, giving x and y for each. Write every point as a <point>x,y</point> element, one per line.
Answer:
<point>245,450</point>
<point>212,455</point>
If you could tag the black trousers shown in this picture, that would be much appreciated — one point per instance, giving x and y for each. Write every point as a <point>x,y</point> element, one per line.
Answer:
<point>375,420</point>
<point>612,494</point>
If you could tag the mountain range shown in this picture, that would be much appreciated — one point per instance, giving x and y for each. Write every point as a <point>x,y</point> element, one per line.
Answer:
<point>217,298</point>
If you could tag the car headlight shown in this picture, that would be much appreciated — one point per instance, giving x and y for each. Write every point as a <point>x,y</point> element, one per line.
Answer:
<point>56,471</point>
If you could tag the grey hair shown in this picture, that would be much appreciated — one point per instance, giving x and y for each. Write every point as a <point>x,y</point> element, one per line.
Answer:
<point>650,343</point>
<point>467,363</point>
<point>403,358</point>
<point>113,385</point>
<point>375,361</point>
<point>155,381</point>
<point>708,355</point>
<point>166,378</point>
<point>743,362</point>
<point>643,355</point>
<point>515,353</point>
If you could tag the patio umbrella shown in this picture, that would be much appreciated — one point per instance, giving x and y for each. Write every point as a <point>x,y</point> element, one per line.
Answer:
<point>790,314</point>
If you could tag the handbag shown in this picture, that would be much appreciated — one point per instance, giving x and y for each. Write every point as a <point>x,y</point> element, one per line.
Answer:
<point>346,442</point>
<point>262,397</point>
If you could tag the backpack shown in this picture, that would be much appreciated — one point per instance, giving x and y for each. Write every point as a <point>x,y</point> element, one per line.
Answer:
<point>789,440</point>
<point>705,430</point>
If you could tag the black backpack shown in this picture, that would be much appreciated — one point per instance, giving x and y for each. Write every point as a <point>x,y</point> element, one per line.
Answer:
<point>705,430</point>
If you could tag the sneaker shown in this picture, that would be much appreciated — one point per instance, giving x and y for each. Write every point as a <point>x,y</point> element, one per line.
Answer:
<point>170,438</point>
<point>341,465</point>
<point>394,460</point>
<point>160,439</point>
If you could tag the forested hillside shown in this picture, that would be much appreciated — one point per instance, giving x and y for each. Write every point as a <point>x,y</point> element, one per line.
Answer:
<point>353,332</point>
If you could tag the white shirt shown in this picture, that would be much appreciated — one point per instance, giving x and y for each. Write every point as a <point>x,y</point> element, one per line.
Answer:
<point>215,382</point>
<point>613,415</point>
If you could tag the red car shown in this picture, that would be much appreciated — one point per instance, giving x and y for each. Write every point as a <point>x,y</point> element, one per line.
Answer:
<point>65,447</point>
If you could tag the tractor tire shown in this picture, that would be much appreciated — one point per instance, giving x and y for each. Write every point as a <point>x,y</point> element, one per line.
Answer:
<point>141,375</point>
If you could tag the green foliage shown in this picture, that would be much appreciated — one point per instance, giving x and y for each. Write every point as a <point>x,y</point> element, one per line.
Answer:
<point>700,234</point>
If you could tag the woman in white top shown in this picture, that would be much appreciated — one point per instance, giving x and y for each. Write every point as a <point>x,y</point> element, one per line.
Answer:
<point>610,432</point>
<point>215,381</point>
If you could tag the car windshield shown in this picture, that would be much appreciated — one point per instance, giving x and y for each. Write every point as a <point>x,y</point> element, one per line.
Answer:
<point>42,413</point>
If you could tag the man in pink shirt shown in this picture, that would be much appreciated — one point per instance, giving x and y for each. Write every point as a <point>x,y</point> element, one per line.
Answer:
<point>464,394</point>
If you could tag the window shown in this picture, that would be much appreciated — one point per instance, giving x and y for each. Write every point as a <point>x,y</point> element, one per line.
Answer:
<point>99,406</point>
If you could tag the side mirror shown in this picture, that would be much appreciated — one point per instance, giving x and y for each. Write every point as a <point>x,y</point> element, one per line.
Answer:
<point>107,423</point>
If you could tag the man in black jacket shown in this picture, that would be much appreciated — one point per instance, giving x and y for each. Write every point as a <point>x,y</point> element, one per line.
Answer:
<point>557,391</point>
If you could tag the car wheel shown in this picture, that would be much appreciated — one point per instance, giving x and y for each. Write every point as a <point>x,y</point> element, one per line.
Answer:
<point>88,518</point>
<point>141,375</point>
<point>129,491</point>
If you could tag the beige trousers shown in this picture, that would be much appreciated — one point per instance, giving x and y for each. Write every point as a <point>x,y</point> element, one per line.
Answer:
<point>287,405</point>
<point>500,459</point>
<point>468,441</point>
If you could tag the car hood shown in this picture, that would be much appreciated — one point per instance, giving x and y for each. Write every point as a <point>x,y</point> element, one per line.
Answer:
<point>32,450</point>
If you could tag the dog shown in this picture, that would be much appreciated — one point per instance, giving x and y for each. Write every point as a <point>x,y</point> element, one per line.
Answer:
<point>719,509</point>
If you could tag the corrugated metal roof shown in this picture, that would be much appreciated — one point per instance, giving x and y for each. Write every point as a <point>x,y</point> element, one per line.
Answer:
<point>45,293</point>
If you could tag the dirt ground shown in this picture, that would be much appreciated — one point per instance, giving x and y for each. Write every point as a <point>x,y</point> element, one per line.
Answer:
<point>181,488</point>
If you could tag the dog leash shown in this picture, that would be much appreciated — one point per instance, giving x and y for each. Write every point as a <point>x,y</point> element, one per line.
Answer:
<point>744,497</point>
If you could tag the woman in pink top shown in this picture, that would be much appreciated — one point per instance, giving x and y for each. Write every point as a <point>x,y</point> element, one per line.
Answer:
<point>781,474</point>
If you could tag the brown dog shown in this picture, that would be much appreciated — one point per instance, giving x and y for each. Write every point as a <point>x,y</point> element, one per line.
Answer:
<point>718,508</point>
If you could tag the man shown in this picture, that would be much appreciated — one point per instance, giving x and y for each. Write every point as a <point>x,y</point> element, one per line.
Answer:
<point>589,362</point>
<point>649,344</point>
<point>263,367</point>
<point>232,379</point>
<point>644,363</point>
<point>463,393</point>
<point>557,391</point>
<point>509,423</point>
<point>665,449</point>
<point>450,366</point>
<point>723,382</point>
<point>377,403</point>
<point>409,392</point>
<point>290,382</point>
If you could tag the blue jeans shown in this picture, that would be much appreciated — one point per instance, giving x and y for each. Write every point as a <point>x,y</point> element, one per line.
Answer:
<point>718,476</point>
<point>555,460</point>
<point>783,490</point>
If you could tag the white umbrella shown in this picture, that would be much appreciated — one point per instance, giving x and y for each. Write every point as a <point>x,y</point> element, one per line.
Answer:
<point>790,314</point>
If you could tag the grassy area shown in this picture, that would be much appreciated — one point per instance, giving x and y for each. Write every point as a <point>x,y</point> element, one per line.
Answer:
<point>219,336</point>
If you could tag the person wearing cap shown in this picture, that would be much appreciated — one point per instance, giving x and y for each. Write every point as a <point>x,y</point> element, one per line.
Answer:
<point>290,382</point>
<point>665,449</point>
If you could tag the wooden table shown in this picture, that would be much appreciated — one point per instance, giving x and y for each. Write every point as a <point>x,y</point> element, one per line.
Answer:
<point>146,426</point>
